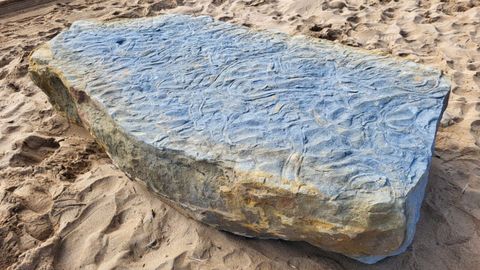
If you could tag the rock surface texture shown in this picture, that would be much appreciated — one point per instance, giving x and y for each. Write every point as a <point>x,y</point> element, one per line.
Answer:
<point>257,133</point>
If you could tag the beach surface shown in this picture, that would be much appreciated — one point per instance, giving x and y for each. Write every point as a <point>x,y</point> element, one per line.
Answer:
<point>64,205</point>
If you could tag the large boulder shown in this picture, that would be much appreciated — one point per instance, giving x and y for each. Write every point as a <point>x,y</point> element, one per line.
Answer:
<point>257,133</point>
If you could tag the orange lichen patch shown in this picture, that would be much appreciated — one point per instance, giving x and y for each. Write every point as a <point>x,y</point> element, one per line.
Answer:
<point>275,210</point>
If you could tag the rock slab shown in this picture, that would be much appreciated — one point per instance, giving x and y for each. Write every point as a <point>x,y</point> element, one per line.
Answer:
<point>257,133</point>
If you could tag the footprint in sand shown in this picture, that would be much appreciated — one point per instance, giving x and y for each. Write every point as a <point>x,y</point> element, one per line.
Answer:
<point>475,131</point>
<point>32,150</point>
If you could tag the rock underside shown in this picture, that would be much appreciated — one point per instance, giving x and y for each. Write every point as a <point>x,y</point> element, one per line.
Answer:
<point>256,133</point>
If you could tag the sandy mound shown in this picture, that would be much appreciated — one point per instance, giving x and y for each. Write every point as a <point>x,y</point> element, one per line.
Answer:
<point>63,205</point>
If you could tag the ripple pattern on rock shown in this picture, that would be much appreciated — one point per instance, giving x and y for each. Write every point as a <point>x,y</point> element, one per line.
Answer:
<point>289,137</point>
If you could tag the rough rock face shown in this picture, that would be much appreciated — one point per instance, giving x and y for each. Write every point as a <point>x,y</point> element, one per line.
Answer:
<point>256,133</point>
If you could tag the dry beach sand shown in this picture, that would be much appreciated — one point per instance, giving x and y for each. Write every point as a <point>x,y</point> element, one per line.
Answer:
<point>63,205</point>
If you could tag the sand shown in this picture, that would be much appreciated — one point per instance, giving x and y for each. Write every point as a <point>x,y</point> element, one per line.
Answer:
<point>63,205</point>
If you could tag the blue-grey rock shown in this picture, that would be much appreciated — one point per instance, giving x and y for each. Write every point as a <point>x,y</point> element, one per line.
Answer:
<point>257,133</point>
